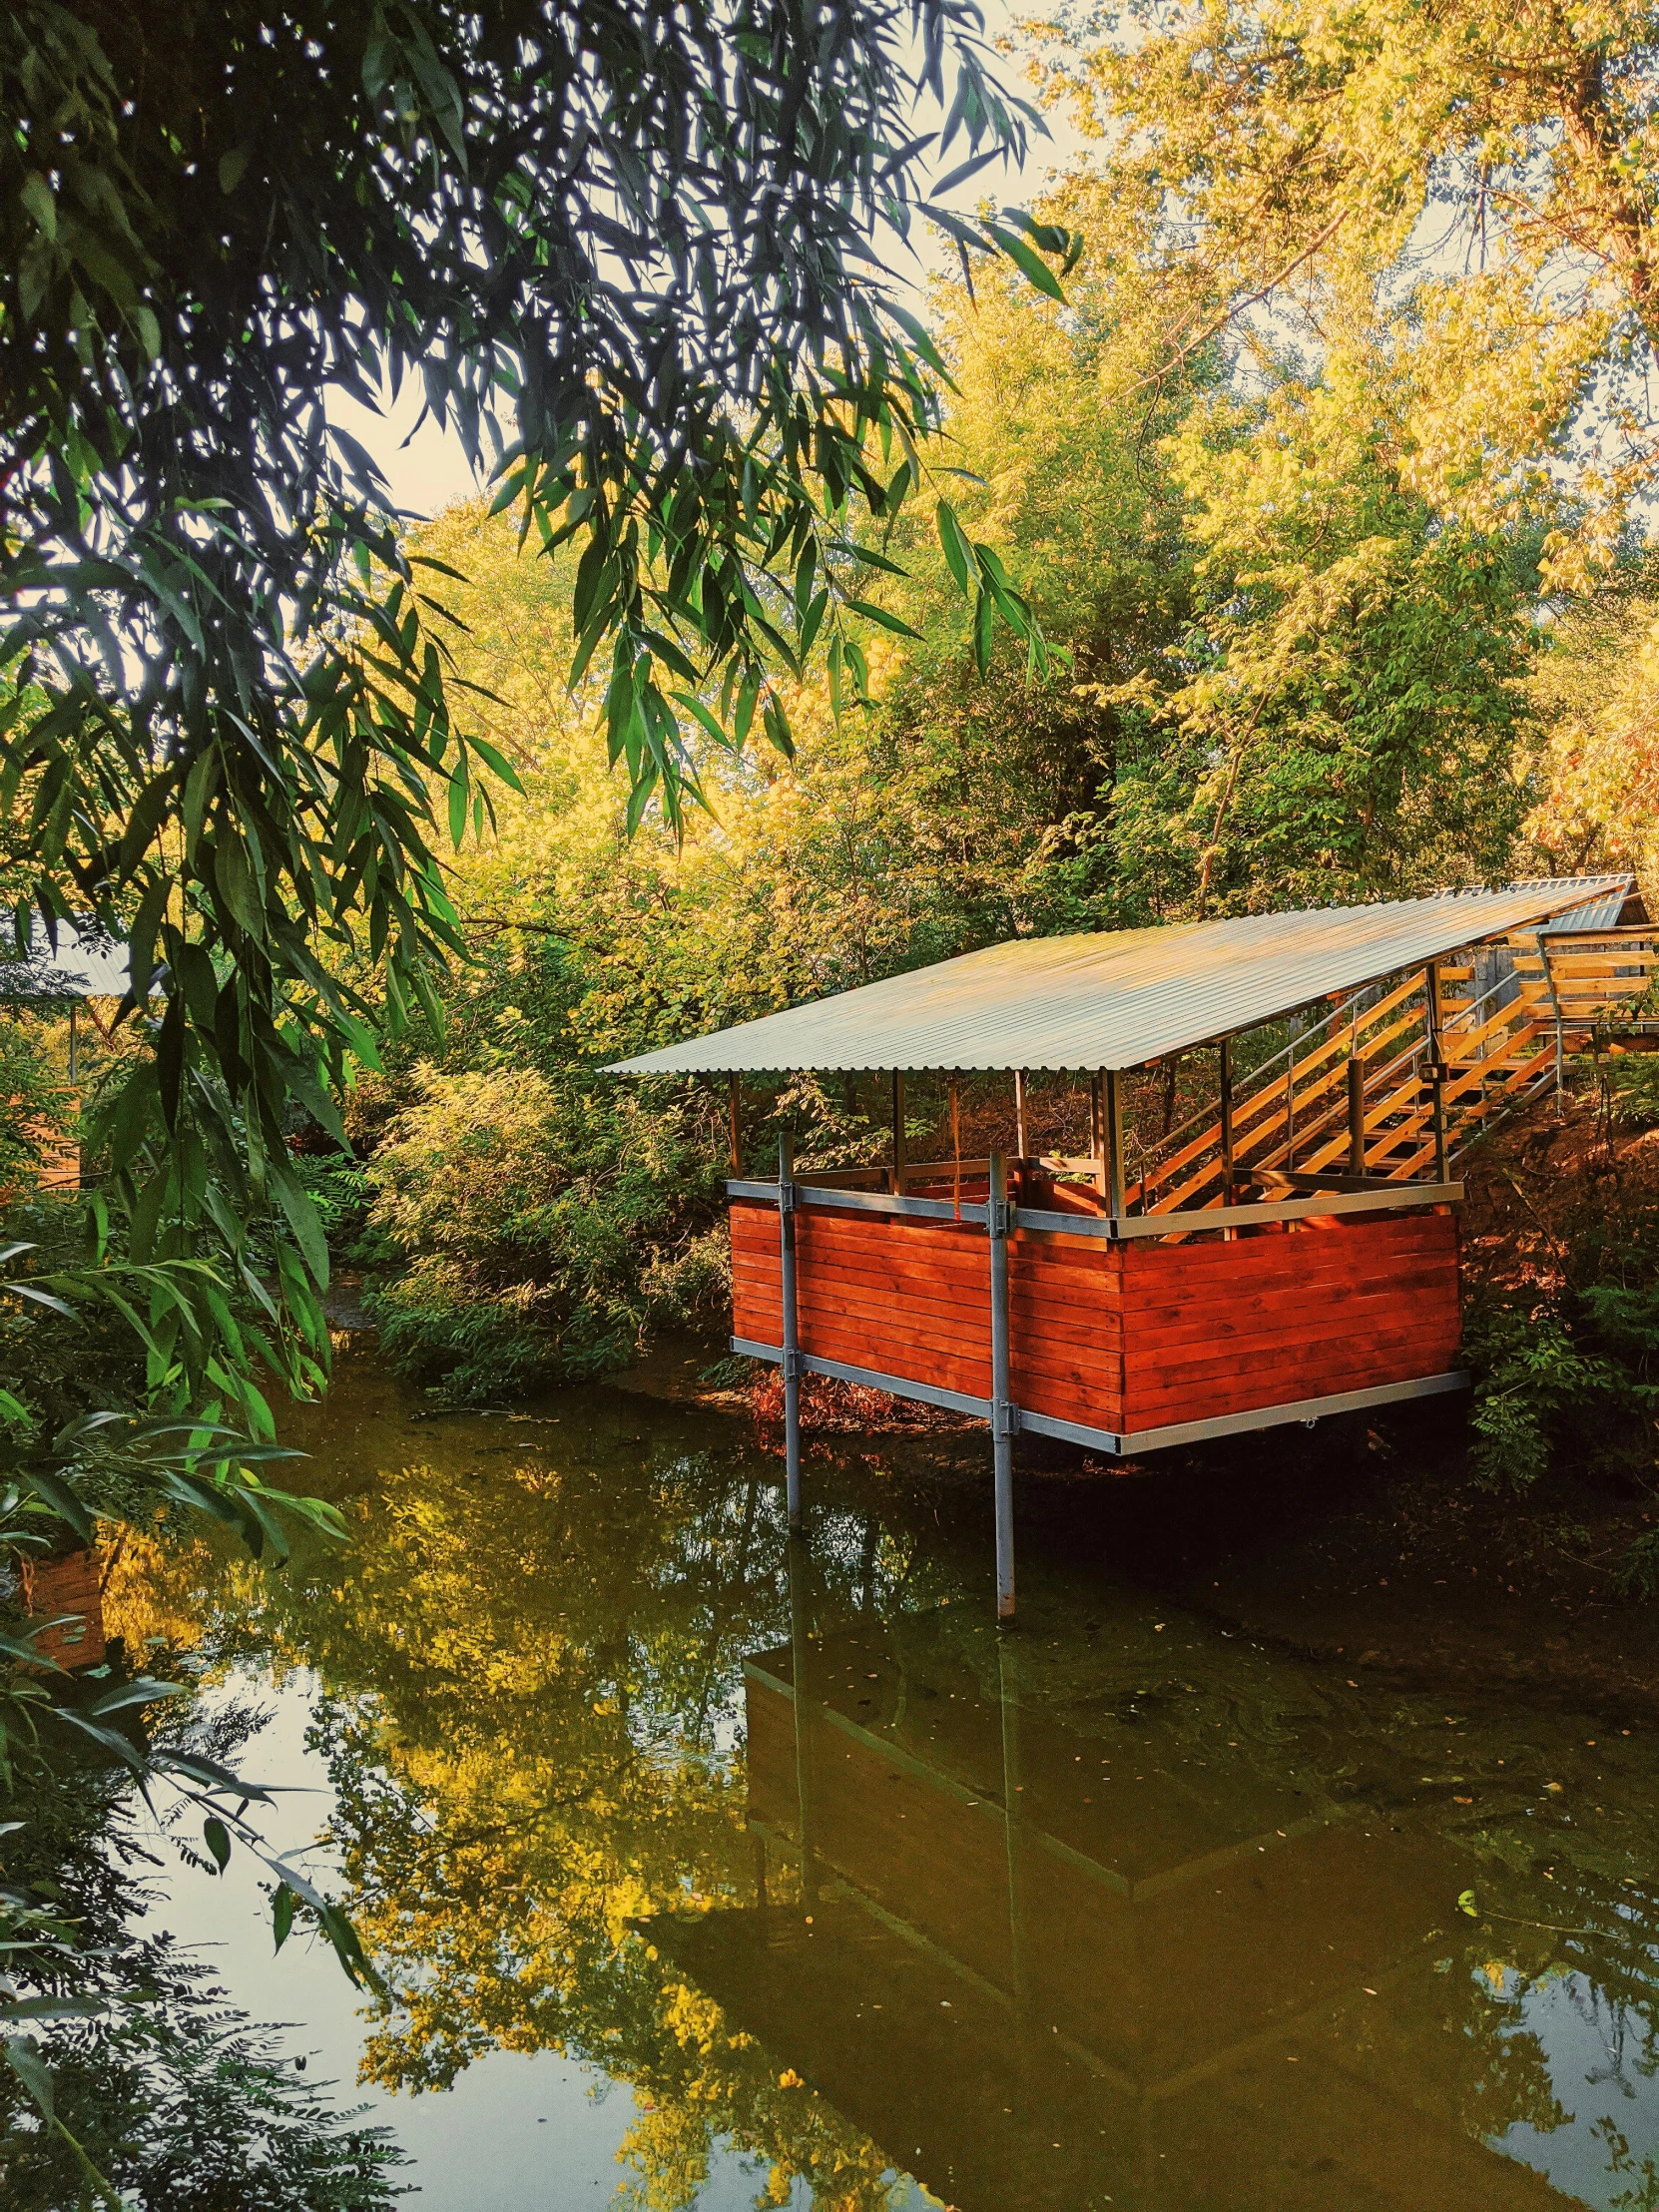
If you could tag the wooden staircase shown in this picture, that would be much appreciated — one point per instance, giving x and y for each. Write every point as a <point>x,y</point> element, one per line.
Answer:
<point>1352,1097</point>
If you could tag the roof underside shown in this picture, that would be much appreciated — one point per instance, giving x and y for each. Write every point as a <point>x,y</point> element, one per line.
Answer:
<point>1118,998</point>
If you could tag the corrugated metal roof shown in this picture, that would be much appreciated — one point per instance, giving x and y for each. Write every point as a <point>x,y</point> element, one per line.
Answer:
<point>85,964</point>
<point>1601,912</point>
<point>1115,998</point>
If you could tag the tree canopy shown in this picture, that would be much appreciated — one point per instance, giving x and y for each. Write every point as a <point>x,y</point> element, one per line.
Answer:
<point>1482,180</point>
<point>636,260</point>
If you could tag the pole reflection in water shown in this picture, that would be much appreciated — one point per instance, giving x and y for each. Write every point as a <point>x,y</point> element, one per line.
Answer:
<point>1046,1967</point>
<point>845,1887</point>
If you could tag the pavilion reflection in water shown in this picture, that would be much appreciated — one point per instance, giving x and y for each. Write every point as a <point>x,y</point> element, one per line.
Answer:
<point>1043,1968</point>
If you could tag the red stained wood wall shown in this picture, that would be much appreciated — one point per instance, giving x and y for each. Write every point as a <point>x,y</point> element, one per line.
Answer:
<point>1123,1338</point>
<point>72,1586</point>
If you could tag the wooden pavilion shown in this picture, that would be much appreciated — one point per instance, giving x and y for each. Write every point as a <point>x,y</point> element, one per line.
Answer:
<point>1288,1254</point>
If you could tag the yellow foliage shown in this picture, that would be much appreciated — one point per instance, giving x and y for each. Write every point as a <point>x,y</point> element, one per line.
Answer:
<point>1598,689</point>
<point>1478,182</point>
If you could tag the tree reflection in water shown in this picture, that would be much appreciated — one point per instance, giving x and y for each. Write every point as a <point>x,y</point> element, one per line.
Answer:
<point>1118,1909</point>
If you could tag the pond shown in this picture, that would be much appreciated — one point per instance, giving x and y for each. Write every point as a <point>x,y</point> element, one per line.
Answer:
<point>707,1868</point>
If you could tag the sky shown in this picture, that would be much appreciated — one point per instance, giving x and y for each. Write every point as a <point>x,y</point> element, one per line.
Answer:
<point>425,466</point>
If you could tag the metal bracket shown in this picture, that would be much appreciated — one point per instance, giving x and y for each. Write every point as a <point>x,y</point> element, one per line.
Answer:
<point>788,1198</point>
<point>999,1215</point>
<point>1004,1419</point>
<point>794,1365</point>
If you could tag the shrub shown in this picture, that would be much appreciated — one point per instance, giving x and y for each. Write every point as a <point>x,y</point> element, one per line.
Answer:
<point>1633,1088</point>
<point>35,1107</point>
<point>545,1222</point>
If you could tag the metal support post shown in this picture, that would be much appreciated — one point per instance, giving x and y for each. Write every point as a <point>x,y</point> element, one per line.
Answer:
<point>899,1153</point>
<point>1226,1049</point>
<point>800,1669</point>
<point>1114,1146</point>
<point>1013,1807</point>
<point>1431,984</point>
<point>792,1342</point>
<point>1020,1144</point>
<point>1003,1412</point>
<point>1356,1115</point>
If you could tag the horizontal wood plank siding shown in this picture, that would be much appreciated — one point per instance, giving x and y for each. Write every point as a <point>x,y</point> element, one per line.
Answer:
<point>1118,1336</point>
<point>903,1296</point>
<point>1065,1328</point>
<point>1267,1319</point>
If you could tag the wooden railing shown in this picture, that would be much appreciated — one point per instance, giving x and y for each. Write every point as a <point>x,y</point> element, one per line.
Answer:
<point>1298,1116</point>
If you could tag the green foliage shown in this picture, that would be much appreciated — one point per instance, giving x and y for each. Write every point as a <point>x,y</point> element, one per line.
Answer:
<point>1633,1087</point>
<point>1289,169</point>
<point>1531,1372</point>
<point>339,1190</point>
<point>1636,1574</point>
<point>544,1223</point>
<point>1562,1316</point>
<point>230,728</point>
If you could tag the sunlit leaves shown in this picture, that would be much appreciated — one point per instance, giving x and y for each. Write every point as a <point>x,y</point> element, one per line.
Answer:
<point>1483,181</point>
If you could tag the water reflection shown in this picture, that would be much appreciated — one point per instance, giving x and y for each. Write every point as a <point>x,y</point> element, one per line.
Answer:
<point>850,1890</point>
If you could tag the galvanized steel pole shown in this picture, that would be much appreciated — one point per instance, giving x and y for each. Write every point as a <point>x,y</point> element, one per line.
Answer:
<point>800,1671</point>
<point>1013,1837</point>
<point>1003,1412</point>
<point>792,1340</point>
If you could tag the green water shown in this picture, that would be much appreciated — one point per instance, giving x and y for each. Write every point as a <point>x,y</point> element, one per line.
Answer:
<point>714,1871</point>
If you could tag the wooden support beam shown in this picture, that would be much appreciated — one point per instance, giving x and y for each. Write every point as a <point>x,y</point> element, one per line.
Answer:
<point>1226,1120</point>
<point>1555,1008</point>
<point>1114,1144</point>
<point>733,1118</point>
<point>1021,1147</point>
<point>1097,1132</point>
<point>792,1339</point>
<point>1436,1067</point>
<point>1357,1116</point>
<point>1290,1103</point>
<point>899,1158</point>
<point>1002,1410</point>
